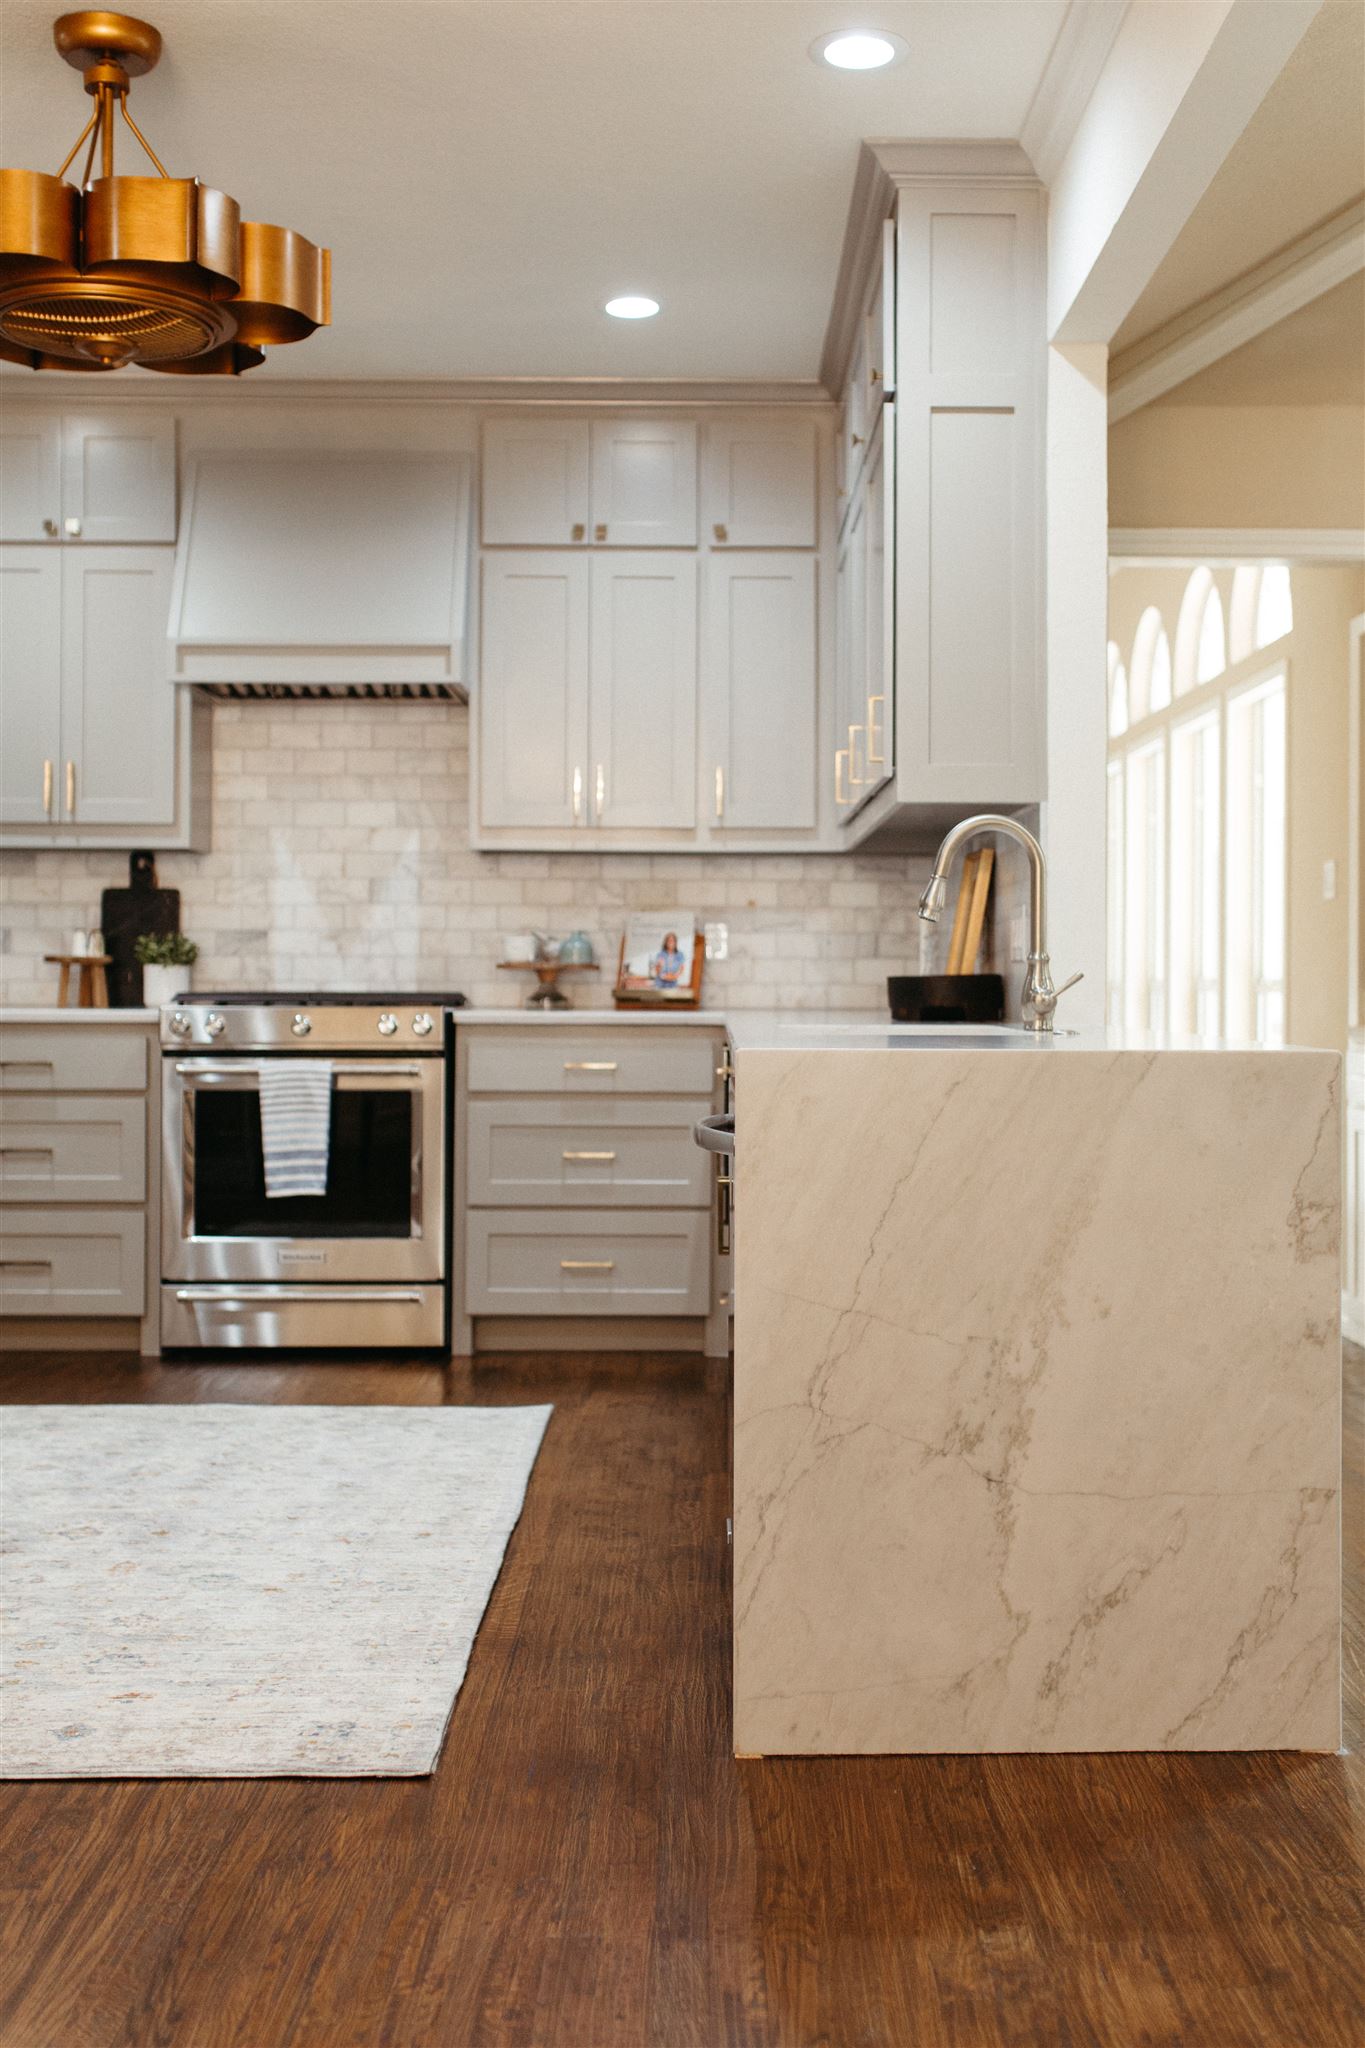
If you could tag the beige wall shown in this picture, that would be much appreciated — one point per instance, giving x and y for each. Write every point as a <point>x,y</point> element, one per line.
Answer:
<point>1238,466</point>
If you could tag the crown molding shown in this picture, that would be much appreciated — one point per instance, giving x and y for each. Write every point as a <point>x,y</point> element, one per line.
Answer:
<point>886,167</point>
<point>1282,285</point>
<point>620,394</point>
<point>1088,33</point>
<point>1138,546</point>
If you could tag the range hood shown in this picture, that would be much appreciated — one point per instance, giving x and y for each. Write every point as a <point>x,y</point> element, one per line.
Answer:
<point>322,574</point>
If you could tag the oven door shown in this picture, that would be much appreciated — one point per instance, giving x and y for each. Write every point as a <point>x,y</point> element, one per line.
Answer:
<point>382,1216</point>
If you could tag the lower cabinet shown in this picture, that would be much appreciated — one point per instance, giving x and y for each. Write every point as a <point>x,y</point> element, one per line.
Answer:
<point>582,1194</point>
<point>77,1170</point>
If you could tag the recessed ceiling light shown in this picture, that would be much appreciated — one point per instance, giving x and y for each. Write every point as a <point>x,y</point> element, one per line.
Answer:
<point>860,49</point>
<point>631,307</point>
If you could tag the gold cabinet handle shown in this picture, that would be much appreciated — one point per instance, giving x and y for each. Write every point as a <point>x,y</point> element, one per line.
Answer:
<point>722,533</point>
<point>841,795</point>
<point>720,792</point>
<point>600,789</point>
<point>577,530</point>
<point>599,532</point>
<point>70,789</point>
<point>725,1072</point>
<point>857,440</point>
<point>577,795</point>
<point>875,757</point>
<point>855,735</point>
<point>590,1066</point>
<point>48,780</point>
<point>587,1265</point>
<point>50,528</point>
<point>874,377</point>
<point>605,1157</point>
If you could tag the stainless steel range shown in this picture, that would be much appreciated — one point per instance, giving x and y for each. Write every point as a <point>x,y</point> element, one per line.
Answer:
<point>364,1263</point>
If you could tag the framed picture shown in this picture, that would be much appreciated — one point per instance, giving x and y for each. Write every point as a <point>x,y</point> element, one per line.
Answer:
<point>661,959</point>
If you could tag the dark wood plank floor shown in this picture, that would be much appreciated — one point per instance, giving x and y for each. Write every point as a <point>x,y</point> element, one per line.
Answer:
<point>589,1867</point>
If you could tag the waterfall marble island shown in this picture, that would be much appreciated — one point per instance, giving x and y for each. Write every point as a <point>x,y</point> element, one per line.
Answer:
<point>1037,1394</point>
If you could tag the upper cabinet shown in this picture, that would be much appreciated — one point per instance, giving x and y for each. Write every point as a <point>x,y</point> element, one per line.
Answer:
<point>644,483</point>
<point>88,477</point>
<point>626,482</point>
<point>96,748</point>
<point>760,483</point>
<point>651,670</point>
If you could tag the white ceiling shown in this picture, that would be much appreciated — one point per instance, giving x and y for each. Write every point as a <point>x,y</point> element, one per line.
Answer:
<point>1300,159</point>
<point>487,172</point>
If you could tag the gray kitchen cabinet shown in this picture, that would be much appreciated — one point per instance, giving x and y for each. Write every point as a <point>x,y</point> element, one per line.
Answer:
<point>642,692</point>
<point>760,482</point>
<point>535,489</point>
<point>619,482</point>
<point>644,483</point>
<point>99,749</point>
<point>588,692</point>
<point>864,745</point>
<point>30,684</point>
<point>87,476</point>
<point>761,701</point>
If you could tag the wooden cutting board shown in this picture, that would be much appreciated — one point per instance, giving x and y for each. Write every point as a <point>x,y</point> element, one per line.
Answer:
<point>124,915</point>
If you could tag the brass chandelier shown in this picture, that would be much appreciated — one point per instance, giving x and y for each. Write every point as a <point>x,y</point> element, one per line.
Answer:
<point>157,271</point>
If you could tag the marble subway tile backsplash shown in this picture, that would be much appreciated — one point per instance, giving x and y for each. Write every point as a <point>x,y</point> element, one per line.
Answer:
<point>340,857</point>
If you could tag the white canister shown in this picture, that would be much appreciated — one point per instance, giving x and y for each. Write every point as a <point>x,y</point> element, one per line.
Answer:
<point>161,985</point>
<point>519,947</point>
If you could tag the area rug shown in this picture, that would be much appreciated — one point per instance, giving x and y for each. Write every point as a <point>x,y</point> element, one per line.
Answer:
<point>206,1592</point>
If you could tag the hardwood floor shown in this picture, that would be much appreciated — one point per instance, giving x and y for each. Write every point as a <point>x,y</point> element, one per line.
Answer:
<point>589,1867</point>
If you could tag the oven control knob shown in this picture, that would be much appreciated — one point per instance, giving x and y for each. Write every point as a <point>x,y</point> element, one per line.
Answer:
<point>301,1025</point>
<point>215,1024</point>
<point>421,1024</point>
<point>388,1024</point>
<point>180,1023</point>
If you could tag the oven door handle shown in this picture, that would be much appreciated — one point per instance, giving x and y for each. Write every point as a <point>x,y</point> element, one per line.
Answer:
<point>342,1070</point>
<point>243,1297</point>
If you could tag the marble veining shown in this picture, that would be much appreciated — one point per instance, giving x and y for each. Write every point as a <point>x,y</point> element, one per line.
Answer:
<point>246,1591</point>
<point>1037,1402</point>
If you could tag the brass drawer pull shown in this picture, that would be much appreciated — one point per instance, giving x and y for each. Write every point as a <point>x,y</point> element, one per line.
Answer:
<point>35,1064</point>
<point>577,530</point>
<point>590,1155</point>
<point>841,795</point>
<point>25,1265</point>
<point>587,1265</point>
<point>590,1066</point>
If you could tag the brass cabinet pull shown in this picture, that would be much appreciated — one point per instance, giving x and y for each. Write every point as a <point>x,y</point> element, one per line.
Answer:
<point>600,789</point>
<point>875,377</point>
<point>841,795</point>
<point>590,1066</point>
<point>875,758</point>
<point>25,1151</point>
<point>577,794</point>
<point>606,1157</point>
<point>599,532</point>
<point>722,533</point>
<point>50,528</point>
<point>725,1072</point>
<point>577,530</point>
<point>855,780</point>
<point>70,789</point>
<point>720,792</point>
<point>25,1265</point>
<point>47,789</point>
<point>587,1265</point>
<point>857,440</point>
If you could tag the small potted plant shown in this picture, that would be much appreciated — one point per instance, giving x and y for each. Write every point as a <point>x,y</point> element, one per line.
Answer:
<point>166,959</point>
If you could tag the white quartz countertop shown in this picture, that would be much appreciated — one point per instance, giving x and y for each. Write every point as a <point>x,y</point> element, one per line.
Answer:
<point>52,1015</point>
<point>633,1018</point>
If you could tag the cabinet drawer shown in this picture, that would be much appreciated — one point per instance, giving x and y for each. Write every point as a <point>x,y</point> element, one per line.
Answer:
<point>521,1262</point>
<point>100,1059</point>
<point>72,1262</point>
<point>571,1155</point>
<point>592,1062</point>
<point>61,1148</point>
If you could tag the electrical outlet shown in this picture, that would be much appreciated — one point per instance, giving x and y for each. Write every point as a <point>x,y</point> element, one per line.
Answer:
<point>717,941</point>
<point>1329,881</point>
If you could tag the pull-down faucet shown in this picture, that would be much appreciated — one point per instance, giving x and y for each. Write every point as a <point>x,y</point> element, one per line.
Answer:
<point>1039,997</point>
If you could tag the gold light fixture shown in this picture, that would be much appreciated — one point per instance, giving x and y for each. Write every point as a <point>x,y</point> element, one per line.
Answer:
<point>162,271</point>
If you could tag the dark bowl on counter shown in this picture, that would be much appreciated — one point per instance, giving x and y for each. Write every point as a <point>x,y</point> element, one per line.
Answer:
<point>946,998</point>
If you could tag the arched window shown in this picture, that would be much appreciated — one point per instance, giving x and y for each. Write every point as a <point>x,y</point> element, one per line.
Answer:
<point>1118,694</point>
<point>1274,605</point>
<point>1149,677</point>
<point>1200,644</point>
<point>1246,592</point>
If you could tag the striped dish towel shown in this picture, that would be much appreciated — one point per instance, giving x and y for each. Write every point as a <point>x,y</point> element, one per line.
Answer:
<point>296,1121</point>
